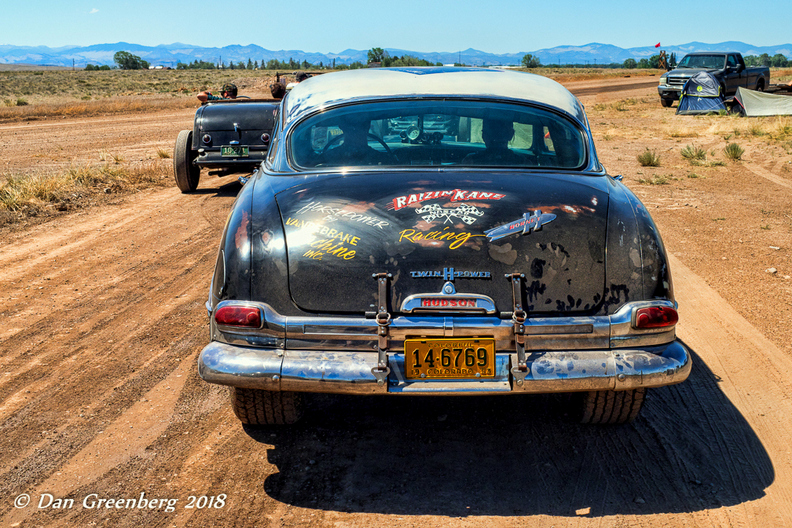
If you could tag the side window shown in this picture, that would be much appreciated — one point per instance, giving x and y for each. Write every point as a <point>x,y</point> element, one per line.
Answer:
<point>523,137</point>
<point>476,125</point>
<point>731,61</point>
<point>548,140</point>
<point>321,136</point>
<point>274,138</point>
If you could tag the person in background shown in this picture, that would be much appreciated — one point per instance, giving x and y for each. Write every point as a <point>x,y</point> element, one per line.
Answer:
<point>496,134</point>
<point>229,91</point>
<point>354,149</point>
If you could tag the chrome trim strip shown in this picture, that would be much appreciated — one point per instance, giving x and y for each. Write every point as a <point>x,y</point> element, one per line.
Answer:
<point>350,372</point>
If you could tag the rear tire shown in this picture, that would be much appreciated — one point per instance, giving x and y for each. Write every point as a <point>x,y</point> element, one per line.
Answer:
<point>612,407</point>
<point>186,173</point>
<point>760,85</point>
<point>667,103</point>
<point>260,407</point>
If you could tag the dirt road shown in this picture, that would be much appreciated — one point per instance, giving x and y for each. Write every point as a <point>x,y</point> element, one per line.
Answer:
<point>103,319</point>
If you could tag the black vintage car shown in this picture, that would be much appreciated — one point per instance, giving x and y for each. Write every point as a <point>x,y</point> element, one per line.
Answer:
<point>438,231</point>
<point>228,136</point>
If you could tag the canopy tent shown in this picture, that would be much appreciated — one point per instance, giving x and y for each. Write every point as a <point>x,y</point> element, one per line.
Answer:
<point>753,103</point>
<point>701,95</point>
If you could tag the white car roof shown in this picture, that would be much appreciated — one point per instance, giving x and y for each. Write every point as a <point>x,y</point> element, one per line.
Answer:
<point>322,91</point>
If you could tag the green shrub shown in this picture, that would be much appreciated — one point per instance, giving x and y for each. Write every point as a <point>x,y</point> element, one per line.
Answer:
<point>734,151</point>
<point>649,158</point>
<point>693,153</point>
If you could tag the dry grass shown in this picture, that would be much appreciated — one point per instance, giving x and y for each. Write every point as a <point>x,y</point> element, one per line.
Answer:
<point>563,75</point>
<point>114,105</point>
<point>657,179</point>
<point>780,75</point>
<point>35,95</point>
<point>682,133</point>
<point>81,84</point>
<point>39,194</point>
<point>775,128</point>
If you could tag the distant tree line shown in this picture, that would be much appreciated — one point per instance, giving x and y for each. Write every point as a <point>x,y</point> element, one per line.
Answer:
<point>776,61</point>
<point>272,64</point>
<point>127,61</point>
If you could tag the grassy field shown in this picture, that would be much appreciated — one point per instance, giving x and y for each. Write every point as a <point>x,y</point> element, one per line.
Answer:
<point>37,94</point>
<point>87,85</point>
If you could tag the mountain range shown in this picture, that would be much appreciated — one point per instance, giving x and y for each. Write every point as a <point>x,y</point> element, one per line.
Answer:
<point>169,54</point>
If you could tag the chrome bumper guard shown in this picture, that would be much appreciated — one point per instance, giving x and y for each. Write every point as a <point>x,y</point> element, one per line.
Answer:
<point>350,372</point>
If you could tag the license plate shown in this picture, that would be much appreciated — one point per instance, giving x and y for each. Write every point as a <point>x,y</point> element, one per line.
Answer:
<point>449,358</point>
<point>236,152</point>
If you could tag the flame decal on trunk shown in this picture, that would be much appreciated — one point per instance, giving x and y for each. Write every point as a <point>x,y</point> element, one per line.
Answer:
<point>527,224</point>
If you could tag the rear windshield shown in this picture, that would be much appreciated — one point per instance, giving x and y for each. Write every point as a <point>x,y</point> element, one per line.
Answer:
<point>437,133</point>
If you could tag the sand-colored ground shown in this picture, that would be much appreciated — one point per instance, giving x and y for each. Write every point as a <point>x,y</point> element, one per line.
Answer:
<point>103,319</point>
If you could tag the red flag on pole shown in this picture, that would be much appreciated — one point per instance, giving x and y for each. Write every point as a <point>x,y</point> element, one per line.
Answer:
<point>657,45</point>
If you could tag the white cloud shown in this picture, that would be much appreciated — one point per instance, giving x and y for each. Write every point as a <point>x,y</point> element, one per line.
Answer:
<point>94,10</point>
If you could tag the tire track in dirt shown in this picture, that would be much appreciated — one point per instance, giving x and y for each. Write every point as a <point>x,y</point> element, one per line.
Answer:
<point>767,174</point>
<point>579,91</point>
<point>149,418</point>
<point>75,142</point>
<point>147,302</point>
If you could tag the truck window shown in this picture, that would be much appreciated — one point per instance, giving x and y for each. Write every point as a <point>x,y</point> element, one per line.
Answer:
<point>731,61</point>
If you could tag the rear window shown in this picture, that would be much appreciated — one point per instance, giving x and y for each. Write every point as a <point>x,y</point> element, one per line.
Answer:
<point>437,133</point>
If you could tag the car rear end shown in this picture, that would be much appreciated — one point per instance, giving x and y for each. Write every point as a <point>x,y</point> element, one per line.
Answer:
<point>233,136</point>
<point>429,260</point>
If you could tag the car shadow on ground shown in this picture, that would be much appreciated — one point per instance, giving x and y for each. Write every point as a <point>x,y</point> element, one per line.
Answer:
<point>228,187</point>
<point>689,450</point>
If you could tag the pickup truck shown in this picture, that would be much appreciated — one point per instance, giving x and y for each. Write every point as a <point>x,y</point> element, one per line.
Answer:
<point>727,67</point>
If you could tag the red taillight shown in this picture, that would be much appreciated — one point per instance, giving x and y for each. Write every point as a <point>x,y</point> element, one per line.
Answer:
<point>656,317</point>
<point>238,316</point>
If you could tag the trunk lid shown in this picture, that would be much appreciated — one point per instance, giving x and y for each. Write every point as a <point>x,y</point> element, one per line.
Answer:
<point>429,229</point>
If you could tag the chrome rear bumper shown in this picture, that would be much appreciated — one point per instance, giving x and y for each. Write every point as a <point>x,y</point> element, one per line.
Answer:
<point>350,372</point>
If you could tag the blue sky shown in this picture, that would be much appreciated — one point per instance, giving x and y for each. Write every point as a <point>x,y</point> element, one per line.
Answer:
<point>416,25</point>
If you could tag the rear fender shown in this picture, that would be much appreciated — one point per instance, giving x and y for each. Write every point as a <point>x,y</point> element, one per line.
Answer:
<point>232,273</point>
<point>637,268</point>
